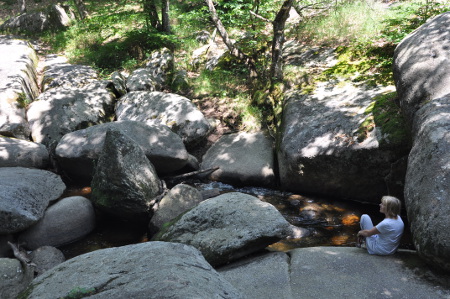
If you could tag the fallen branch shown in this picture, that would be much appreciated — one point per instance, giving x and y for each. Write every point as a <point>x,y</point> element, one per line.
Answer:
<point>21,256</point>
<point>200,173</point>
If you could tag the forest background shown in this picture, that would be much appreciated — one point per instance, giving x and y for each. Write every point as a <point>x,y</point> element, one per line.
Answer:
<point>247,86</point>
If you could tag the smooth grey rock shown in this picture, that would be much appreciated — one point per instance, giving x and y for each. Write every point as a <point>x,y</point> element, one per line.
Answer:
<point>422,78</point>
<point>64,222</point>
<point>180,82</point>
<point>343,272</point>
<point>59,73</point>
<point>59,111</point>
<point>243,158</point>
<point>18,84</point>
<point>120,83</point>
<point>45,258</point>
<point>142,80</point>
<point>25,194</point>
<point>178,200</point>
<point>427,185</point>
<point>320,151</point>
<point>154,76</point>
<point>161,64</point>
<point>208,55</point>
<point>146,270</point>
<point>17,152</point>
<point>54,17</point>
<point>227,227</point>
<point>125,183</point>
<point>421,70</point>
<point>77,151</point>
<point>265,276</point>
<point>175,111</point>
<point>13,278</point>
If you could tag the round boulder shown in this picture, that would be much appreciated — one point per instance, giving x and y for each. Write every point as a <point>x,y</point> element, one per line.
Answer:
<point>145,270</point>
<point>64,222</point>
<point>421,70</point>
<point>227,227</point>
<point>77,151</point>
<point>243,159</point>
<point>17,152</point>
<point>25,195</point>
<point>172,110</point>
<point>179,199</point>
<point>45,258</point>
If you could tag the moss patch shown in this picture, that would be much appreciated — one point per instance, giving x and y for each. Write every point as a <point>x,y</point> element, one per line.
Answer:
<point>360,63</point>
<point>384,114</point>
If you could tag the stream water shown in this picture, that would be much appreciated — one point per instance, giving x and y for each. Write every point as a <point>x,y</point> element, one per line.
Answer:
<point>318,221</point>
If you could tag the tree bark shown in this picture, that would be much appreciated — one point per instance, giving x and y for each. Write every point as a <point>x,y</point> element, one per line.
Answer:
<point>165,16</point>
<point>22,6</point>
<point>82,12</point>
<point>276,69</point>
<point>152,12</point>
<point>223,33</point>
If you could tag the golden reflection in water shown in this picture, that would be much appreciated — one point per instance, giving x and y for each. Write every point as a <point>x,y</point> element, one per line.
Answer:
<point>281,246</point>
<point>350,219</point>
<point>339,240</point>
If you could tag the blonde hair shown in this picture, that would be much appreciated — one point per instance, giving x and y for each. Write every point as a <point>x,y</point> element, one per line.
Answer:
<point>392,205</point>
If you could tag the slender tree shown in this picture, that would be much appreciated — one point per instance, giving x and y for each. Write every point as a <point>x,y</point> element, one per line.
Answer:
<point>165,16</point>
<point>81,8</point>
<point>22,6</point>
<point>279,23</point>
<point>151,11</point>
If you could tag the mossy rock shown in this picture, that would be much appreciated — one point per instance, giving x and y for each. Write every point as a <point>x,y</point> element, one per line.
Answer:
<point>384,114</point>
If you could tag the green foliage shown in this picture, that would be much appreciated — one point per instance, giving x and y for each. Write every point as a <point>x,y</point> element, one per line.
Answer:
<point>347,21</point>
<point>384,114</point>
<point>363,62</point>
<point>407,16</point>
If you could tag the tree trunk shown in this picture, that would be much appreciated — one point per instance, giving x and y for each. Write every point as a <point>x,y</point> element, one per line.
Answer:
<point>276,69</point>
<point>165,16</point>
<point>82,12</point>
<point>22,6</point>
<point>152,13</point>
<point>223,33</point>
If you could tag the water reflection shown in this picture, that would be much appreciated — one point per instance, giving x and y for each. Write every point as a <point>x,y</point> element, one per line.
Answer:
<point>317,221</point>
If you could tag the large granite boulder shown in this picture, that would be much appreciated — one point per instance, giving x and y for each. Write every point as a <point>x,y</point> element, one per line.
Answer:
<point>62,110</point>
<point>427,188</point>
<point>243,159</point>
<point>59,73</point>
<point>265,276</point>
<point>422,77</point>
<point>227,227</point>
<point>178,200</point>
<point>146,270</point>
<point>154,77</point>
<point>142,79</point>
<point>174,111</point>
<point>25,195</point>
<point>125,183</point>
<point>421,65</point>
<point>14,278</point>
<point>18,85</point>
<point>17,152</point>
<point>77,151</point>
<point>68,220</point>
<point>54,17</point>
<point>342,142</point>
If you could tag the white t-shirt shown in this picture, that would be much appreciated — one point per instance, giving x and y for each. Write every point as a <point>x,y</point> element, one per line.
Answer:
<point>388,240</point>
